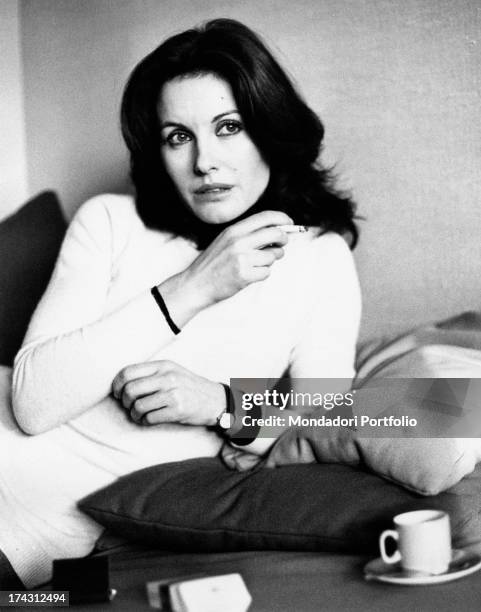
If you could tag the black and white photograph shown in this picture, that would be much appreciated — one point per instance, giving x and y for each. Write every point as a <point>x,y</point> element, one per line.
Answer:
<point>240,305</point>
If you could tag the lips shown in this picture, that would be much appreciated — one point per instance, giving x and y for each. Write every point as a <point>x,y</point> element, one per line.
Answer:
<point>213,188</point>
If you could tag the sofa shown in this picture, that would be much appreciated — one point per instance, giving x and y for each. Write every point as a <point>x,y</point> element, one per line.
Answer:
<point>298,537</point>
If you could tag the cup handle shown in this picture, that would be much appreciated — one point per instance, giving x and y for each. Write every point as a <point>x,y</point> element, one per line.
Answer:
<point>396,556</point>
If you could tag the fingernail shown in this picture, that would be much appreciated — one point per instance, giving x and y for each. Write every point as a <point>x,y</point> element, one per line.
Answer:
<point>291,229</point>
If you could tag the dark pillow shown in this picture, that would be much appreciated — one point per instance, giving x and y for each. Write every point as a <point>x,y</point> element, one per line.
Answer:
<point>199,505</point>
<point>29,243</point>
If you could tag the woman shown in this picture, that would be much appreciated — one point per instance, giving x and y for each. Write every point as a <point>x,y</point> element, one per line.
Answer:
<point>154,304</point>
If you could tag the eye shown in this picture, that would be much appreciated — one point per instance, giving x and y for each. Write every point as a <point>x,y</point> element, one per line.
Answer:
<point>229,127</point>
<point>177,138</point>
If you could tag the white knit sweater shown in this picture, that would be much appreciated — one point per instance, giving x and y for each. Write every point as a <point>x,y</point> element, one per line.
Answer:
<point>98,316</point>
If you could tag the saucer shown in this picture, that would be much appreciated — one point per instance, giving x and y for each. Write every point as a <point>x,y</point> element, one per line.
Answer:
<point>462,564</point>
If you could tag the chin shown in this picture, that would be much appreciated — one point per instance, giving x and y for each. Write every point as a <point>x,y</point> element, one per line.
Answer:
<point>221,216</point>
<point>218,219</point>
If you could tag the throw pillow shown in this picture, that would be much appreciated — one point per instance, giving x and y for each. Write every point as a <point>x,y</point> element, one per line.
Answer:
<point>29,243</point>
<point>200,505</point>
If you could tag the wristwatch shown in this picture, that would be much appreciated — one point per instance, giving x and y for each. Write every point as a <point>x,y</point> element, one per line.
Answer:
<point>226,419</point>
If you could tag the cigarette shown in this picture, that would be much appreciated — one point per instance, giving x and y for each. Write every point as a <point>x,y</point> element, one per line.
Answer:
<point>293,229</point>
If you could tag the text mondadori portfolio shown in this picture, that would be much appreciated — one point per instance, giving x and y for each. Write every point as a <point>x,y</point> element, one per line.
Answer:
<point>284,402</point>
<point>325,421</point>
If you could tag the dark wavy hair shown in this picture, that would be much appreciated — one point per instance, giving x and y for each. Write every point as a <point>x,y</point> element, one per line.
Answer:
<point>286,131</point>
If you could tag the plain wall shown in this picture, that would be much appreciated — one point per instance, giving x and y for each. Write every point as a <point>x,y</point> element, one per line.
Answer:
<point>13,155</point>
<point>397,85</point>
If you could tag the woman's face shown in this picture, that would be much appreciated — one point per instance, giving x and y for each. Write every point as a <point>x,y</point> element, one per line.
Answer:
<point>215,166</point>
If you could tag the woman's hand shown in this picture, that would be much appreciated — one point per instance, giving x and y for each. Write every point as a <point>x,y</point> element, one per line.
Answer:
<point>164,392</point>
<point>241,255</point>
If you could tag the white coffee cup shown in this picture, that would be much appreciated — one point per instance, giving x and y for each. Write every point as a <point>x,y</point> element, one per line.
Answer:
<point>424,541</point>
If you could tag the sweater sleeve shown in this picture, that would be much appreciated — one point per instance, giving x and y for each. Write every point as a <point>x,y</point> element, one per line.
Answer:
<point>327,286</point>
<point>73,349</point>
<point>326,343</point>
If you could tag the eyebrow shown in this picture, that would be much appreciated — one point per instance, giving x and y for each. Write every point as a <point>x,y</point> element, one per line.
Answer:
<point>217,117</point>
<point>166,124</point>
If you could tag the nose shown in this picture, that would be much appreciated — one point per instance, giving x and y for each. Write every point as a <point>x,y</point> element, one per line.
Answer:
<point>205,157</point>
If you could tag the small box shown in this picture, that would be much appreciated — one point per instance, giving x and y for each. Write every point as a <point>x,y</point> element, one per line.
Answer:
<point>227,593</point>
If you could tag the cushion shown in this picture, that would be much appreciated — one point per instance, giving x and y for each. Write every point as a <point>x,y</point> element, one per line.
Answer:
<point>200,505</point>
<point>29,243</point>
<point>427,458</point>
<point>445,360</point>
<point>433,376</point>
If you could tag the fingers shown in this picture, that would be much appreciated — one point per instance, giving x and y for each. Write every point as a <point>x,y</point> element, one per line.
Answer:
<point>259,274</point>
<point>156,409</point>
<point>163,415</point>
<point>266,256</point>
<point>264,237</point>
<point>259,220</point>
<point>145,406</point>
<point>141,387</point>
<point>137,371</point>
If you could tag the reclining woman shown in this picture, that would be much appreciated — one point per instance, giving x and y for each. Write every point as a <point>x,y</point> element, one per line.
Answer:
<point>154,303</point>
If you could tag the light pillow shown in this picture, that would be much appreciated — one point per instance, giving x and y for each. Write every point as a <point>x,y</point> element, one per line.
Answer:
<point>447,361</point>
